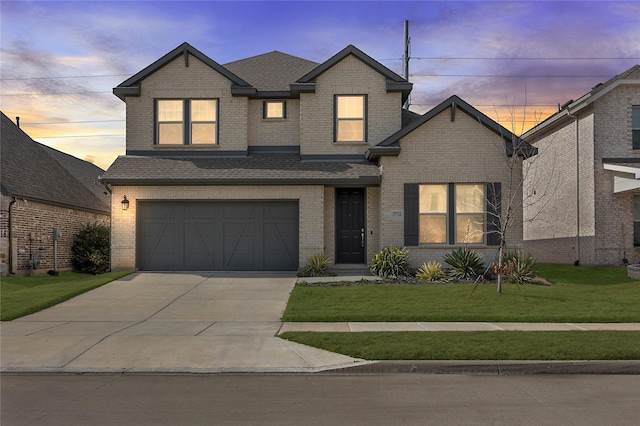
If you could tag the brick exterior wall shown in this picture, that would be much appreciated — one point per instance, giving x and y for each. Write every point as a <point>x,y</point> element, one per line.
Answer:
<point>441,151</point>
<point>176,81</point>
<point>605,218</point>
<point>551,190</point>
<point>274,132</point>
<point>348,77</point>
<point>123,234</point>
<point>40,219</point>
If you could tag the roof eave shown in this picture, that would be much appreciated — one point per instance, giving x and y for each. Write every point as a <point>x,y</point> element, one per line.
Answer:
<point>362,180</point>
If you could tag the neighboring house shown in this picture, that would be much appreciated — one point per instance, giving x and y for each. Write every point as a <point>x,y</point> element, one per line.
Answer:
<point>43,189</point>
<point>582,196</point>
<point>257,164</point>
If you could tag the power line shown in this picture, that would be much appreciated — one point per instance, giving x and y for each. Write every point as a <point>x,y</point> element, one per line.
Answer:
<point>64,77</point>
<point>54,94</point>
<point>78,136</point>
<point>24,123</point>
<point>437,58</point>
<point>509,76</point>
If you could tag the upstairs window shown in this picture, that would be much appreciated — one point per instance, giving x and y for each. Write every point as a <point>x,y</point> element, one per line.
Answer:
<point>350,118</point>
<point>274,110</point>
<point>635,126</point>
<point>187,122</point>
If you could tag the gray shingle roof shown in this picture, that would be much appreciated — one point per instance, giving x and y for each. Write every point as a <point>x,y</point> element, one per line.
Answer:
<point>272,71</point>
<point>33,171</point>
<point>255,169</point>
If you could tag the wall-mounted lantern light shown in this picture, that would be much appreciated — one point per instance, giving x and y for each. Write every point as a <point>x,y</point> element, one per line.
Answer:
<point>125,203</point>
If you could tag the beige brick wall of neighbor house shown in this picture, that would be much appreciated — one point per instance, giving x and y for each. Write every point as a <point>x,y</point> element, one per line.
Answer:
<point>614,212</point>
<point>274,132</point>
<point>349,77</point>
<point>551,190</point>
<point>176,81</point>
<point>442,152</point>
<point>311,199</point>
<point>40,219</point>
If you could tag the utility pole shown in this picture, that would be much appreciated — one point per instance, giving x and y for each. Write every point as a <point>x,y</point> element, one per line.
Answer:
<point>405,58</point>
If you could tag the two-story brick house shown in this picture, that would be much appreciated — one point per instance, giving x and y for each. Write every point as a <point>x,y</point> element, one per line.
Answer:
<point>582,195</point>
<point>256,164</point>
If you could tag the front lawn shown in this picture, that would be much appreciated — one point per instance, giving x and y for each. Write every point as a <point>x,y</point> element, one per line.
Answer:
<point>579,294</point>
<point>20,296</point>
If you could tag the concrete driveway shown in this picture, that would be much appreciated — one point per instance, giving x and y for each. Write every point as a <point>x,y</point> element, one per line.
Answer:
<point>165,322</point>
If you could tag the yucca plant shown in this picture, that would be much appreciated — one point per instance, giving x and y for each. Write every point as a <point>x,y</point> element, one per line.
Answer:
<point>521,268</point>
<point>316,266</point>
<point>466,263</point>
<point>431,271</point>
<point>390,262</point>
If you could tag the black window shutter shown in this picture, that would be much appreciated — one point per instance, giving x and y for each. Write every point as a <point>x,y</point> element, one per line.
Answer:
<point>411,214</point>
<point>494,207</point>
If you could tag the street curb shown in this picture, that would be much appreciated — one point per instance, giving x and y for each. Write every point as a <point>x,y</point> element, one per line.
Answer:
<point>505,368</point>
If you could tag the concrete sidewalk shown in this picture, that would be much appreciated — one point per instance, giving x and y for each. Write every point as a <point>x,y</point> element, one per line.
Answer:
<point>452,326</point>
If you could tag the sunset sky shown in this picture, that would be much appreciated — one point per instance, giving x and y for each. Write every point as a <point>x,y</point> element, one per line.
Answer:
<point>61,60</point>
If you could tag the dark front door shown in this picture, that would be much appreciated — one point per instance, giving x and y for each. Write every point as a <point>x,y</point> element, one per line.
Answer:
<point>350,232</point>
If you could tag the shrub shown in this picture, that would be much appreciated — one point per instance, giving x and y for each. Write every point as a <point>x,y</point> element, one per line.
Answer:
<point>90,249</point>
<point>466,263</point>
<point>431,271</point>
<point>390,262</point>
<point>316,266</point>
<point>518,267</point>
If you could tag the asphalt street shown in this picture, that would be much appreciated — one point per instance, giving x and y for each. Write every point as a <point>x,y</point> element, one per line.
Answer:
<point>319,399</point>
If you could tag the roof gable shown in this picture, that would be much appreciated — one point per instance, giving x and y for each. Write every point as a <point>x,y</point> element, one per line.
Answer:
<point>131,86</point>
<point>33,171</point>
<point>395,83</point>
<point>391,146</point>
<point>628,77</point>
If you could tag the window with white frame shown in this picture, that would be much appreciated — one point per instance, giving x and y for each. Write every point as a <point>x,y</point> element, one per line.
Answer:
<point>350,118</point>
<point>187,122</point>
<point>274,109</point>
<point>635,126</point>
<point>452,213</point>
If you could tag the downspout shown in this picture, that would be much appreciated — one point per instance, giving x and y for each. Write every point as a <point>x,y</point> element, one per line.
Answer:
<point>575,118</point>
<point>11,203</point>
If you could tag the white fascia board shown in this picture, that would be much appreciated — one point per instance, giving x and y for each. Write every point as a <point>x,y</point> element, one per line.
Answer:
<point>621,184</point>
<point>623,169</point>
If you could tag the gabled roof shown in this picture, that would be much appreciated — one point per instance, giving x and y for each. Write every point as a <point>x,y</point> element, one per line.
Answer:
<point>395,83</point>
<point>131,86</point>
<point>628,77</point>
<point>271,72</point>
<point>391,145</point>
<point>36,172</point>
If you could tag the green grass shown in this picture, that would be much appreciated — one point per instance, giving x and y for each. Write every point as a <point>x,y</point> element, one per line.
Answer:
<point>579,294</point>
<point>20,296</point>
<point>486,345</point>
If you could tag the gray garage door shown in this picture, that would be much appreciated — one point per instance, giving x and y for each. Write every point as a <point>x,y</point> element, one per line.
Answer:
<point>218,236</point>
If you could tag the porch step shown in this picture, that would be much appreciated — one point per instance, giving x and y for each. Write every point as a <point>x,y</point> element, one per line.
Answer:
<point>349,269</point>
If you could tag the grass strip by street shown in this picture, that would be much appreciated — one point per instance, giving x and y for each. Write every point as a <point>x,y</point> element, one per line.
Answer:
<point>486,345</point>
<point>20,296</point>
<point>579,294</point>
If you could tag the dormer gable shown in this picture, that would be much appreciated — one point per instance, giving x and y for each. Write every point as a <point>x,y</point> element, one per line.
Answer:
<point>131,86</point>
<point>394,83</point>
